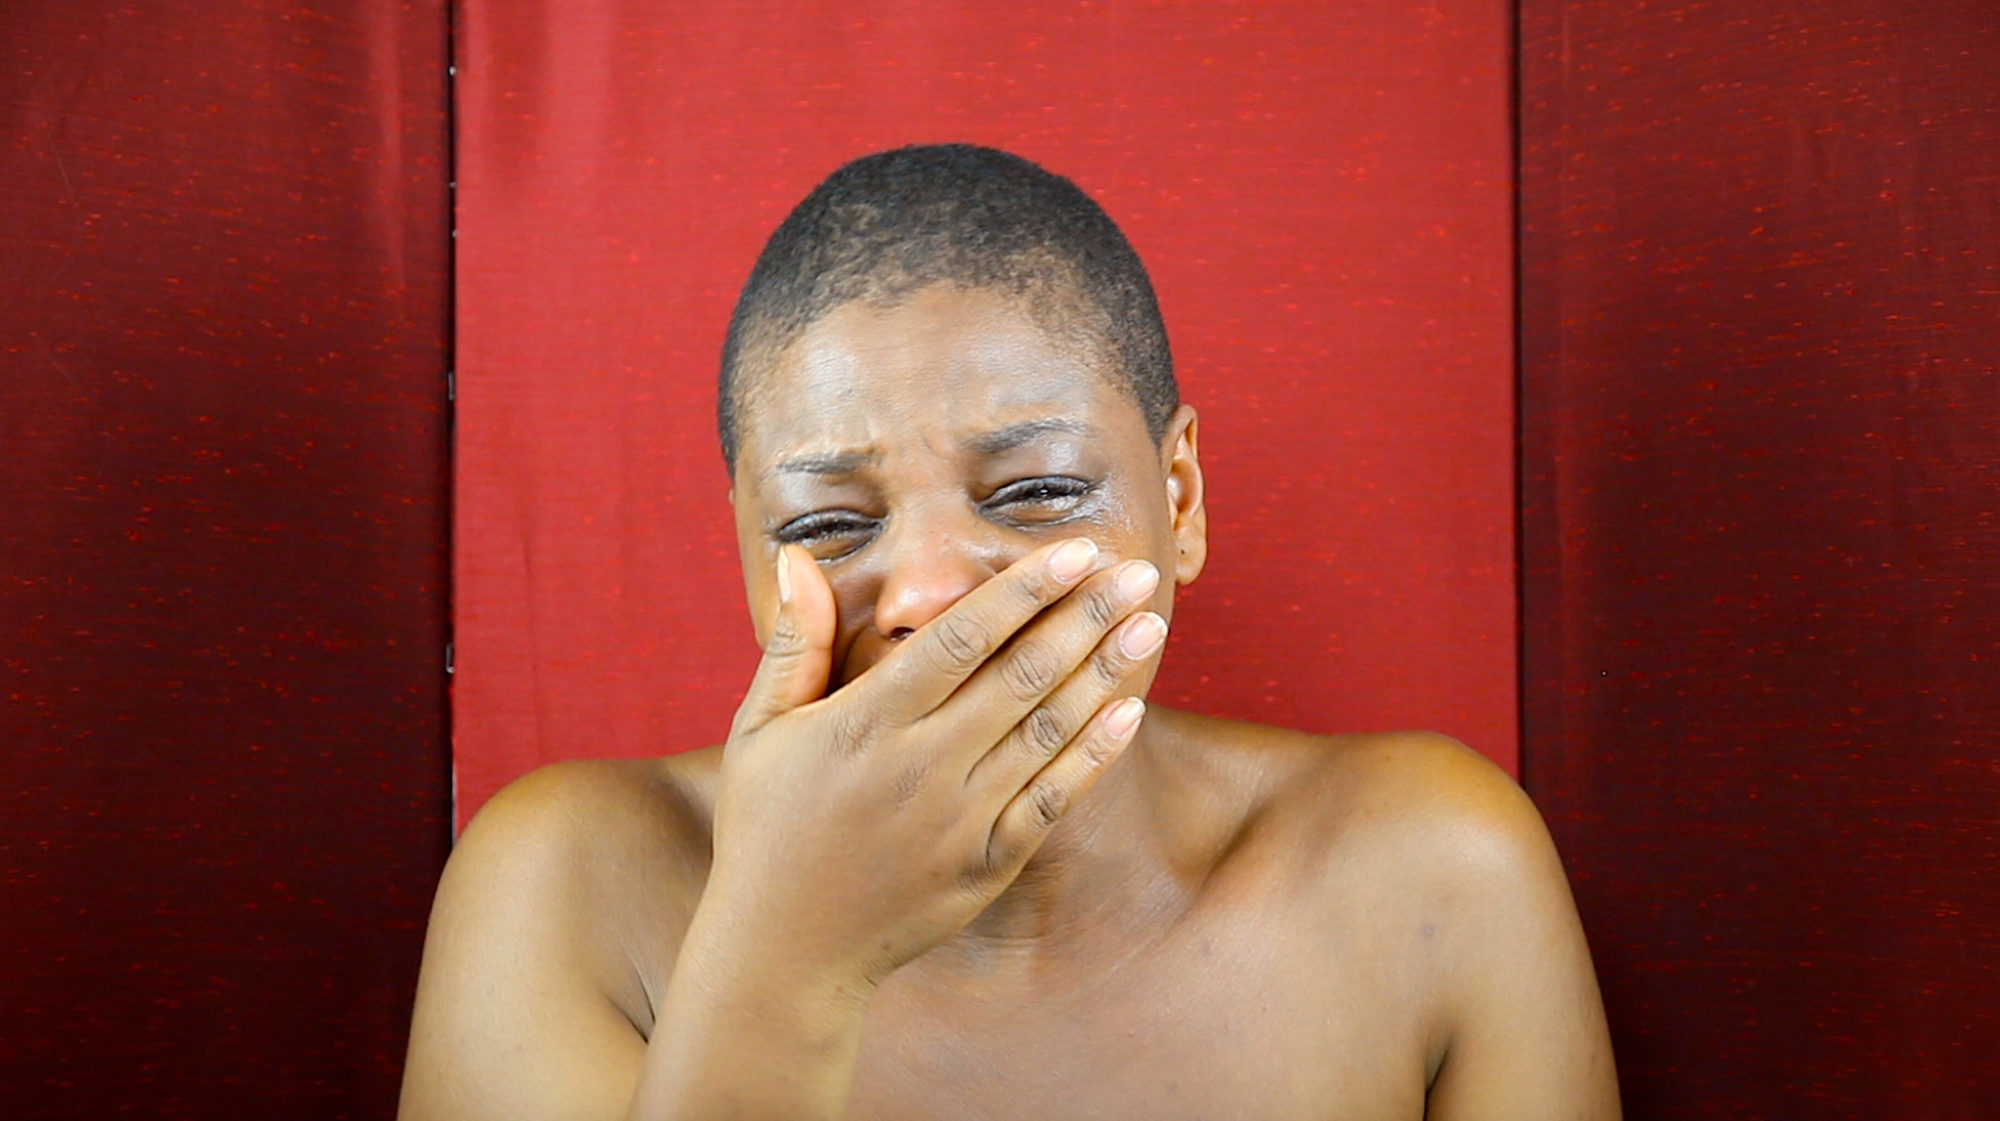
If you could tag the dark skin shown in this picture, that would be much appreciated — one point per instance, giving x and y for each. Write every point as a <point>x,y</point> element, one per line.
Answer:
<point>947,865</point>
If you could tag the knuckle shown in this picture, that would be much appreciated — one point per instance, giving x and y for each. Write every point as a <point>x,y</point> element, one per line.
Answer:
<point>961,644</point>
<point>910,782</point>
<point>1100,608</point>
<point>1028,672</point>
<point>1108,666</point>
<point>1046,803</point>
<point>1036,592</point>
<point>786,637</point>
<point>1043,731</point>
<point>851,729</point>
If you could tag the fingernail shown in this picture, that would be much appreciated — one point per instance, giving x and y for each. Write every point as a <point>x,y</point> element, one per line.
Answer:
<point>1142,635</point>
<point>1124,717</point>
<point>784,577</point>
<point>1137,580</point>
<point>1072,559</point>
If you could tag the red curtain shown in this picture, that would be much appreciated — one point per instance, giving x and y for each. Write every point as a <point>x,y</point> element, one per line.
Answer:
<point>222,337</point>
<point>1761,306</point>
<point>1322,192</point>
<point>1762,443</point>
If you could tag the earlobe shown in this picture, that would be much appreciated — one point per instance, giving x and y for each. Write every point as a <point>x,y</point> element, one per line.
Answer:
<point>1185,495</point>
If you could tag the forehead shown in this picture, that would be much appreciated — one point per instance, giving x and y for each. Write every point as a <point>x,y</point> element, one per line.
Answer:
<point>942,364</point>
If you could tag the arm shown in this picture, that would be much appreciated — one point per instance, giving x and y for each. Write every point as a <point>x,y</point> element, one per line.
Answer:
<point>1524,1024</point>
<point>512,1019</point>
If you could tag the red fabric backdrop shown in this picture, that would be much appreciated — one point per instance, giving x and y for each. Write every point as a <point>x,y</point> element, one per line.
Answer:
<point>1762,595</point>
<point>1760,323</point>
<point>222,552</point>
<point>1322,192</point>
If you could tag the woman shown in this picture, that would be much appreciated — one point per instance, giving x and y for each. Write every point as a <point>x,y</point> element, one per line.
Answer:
<point>949,863</point>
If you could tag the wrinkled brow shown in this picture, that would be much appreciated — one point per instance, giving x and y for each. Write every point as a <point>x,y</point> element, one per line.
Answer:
<point>825,463</point>
<point>1003,439</point>
<point>1026,432</point>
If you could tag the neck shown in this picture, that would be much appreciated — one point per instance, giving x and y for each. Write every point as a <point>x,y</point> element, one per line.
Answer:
<point>1102,871</point>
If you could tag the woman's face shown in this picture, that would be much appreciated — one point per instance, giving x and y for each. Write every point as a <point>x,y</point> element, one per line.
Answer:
<point>919,449</point>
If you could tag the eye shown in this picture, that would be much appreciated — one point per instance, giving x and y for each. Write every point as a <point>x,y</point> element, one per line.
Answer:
<point>828,534</point>
<point>1043,500</point>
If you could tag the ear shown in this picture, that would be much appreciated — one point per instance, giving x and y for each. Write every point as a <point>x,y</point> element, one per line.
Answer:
<point>1180,451</point>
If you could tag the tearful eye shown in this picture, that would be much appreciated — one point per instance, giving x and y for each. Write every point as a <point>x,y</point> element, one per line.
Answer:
<point>828,534</point>
<point>1042,500</point>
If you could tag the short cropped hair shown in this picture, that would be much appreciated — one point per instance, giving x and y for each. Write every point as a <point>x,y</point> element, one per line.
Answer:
<point>885,225</point>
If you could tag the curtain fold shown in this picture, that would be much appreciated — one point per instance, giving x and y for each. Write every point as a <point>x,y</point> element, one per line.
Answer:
<point>1761,437</point>
<point>225,234</point>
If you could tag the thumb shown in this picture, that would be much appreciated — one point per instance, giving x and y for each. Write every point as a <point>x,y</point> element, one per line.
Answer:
<point>798,656</point>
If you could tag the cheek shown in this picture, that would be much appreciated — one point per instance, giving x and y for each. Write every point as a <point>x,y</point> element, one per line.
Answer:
<point>1138,523</point>
<point>760,589</point>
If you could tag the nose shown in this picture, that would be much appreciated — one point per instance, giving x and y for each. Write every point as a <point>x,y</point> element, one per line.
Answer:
<point>929,568</point>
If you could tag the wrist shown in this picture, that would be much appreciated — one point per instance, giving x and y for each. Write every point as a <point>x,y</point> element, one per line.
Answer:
<point>758,968</point>
<point>742,1033</point>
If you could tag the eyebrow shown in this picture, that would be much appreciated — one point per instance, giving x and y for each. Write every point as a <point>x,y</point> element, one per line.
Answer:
<point>1002,439</point>
<point>1026,432</point>
<point>824,463</point>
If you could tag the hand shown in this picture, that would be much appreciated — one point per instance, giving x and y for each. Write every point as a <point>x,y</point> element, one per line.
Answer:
<point>854,832</point>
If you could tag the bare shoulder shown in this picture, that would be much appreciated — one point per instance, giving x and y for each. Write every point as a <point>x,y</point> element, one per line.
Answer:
<point>582,815</point>
<point>1440,848</point>
<point>554,914</point>
<point>1454,868</point>
<point>1417,804</point>
<point>598,844</point>
<point>1352,793</point>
